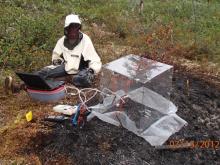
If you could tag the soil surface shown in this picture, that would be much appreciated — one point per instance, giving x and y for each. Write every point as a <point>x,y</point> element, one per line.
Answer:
<point>39,142</point>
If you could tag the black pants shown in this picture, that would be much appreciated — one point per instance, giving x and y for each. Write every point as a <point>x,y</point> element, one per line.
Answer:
<point>82,79</point>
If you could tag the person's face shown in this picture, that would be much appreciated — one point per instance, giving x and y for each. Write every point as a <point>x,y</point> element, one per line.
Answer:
<point>73,31</point>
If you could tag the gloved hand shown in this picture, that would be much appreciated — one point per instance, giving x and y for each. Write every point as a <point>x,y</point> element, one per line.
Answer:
<point>90,75</point>
<point>57,62</point>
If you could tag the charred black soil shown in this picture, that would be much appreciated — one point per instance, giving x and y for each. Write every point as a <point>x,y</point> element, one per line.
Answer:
<point>101,143</point>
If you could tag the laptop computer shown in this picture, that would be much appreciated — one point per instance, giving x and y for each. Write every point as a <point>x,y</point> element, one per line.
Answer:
<point>35,81</point>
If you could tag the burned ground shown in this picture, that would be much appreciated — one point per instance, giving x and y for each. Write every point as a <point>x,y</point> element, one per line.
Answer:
<point>39,142</point>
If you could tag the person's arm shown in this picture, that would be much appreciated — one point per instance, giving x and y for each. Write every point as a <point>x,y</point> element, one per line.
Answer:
<point>91,55</point>
<point>57,53</point>
<point>95,65</point>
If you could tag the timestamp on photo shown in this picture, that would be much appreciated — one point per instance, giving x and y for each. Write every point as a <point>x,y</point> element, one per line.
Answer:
<point>195,144</point>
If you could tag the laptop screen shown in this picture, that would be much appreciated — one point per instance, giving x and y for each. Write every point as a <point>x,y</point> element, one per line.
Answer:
<point>34,81</point>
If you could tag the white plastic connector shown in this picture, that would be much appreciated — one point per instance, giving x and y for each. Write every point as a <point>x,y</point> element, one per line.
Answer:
<point>65,109</point>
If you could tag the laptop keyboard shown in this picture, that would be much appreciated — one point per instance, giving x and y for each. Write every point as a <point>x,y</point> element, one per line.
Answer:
<point>54,84</point>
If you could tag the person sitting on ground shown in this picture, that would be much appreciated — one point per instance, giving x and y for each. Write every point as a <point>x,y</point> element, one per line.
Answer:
<point>74,54</point>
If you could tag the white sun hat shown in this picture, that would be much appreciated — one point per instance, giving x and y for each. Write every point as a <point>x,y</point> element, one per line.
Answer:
<point>72,19</point>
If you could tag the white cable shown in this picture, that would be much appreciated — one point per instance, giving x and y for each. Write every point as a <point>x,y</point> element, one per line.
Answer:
<point>120,97</point>
<point>71,87</point>
<point>83,92</point>
<point>96,91</point>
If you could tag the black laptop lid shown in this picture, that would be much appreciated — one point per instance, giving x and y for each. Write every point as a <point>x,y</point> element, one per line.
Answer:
<point>35,81</point>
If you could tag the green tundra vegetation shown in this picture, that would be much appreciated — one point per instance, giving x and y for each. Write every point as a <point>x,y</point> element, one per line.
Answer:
<point>186,28</point>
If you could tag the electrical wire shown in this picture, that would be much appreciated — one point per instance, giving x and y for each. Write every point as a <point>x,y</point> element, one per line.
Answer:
<point>82,94</point>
